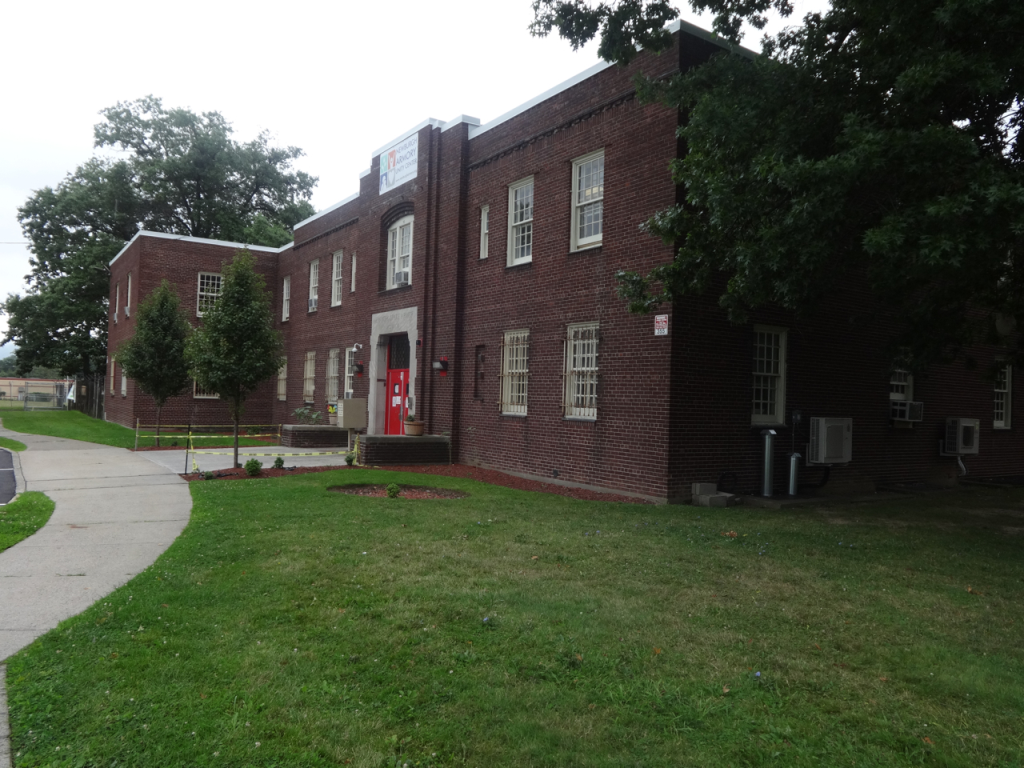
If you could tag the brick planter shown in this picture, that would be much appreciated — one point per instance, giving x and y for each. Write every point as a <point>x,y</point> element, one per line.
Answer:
<point>399,449</point>
<point>313,436</point>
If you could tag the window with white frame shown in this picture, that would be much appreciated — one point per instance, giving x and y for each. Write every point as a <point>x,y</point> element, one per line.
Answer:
<point>336,279</point>
<point>124,384</point>
<point>199,393</point>
<point>352,269</point>
<point>901,385</point>
<point>769,376</point>
<point>333,363</point>
<point>581,371</point>
<point>400,253</point>
<point>308,378</point>
<point>587,200</point>
<point>314,284</point>
<point>117,310</point>
<point>128,297</point>
<point>286,298</point>
<point>209,290</point>
<point>350,371</point>
<point>282,382</point>
<point>515,372</point>
<point>520,222</point>
<point>485,215</point>
<point>113,371</point>
<point>1003,384</point>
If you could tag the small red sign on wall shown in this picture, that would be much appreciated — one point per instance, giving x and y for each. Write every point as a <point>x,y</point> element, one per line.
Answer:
<point>661,325</point>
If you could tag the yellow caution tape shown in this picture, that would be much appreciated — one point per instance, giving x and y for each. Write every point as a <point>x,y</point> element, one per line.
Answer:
<point>319,453</point>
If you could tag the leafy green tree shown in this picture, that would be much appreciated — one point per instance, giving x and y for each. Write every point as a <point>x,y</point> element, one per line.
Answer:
<point>9,367</point>
<point>237,348</point>
<point>877,139</point>
<point>155,355</point>
<point>178,172</point>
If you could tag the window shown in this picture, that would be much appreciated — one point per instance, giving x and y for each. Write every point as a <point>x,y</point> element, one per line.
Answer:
<point>308,381</point>
<point>581,370</point>
<point>282,382</point>
<point>336,280</point>
<point>515,372</point>
<point>520,222</point>
<point>128,297</point>
<point>209,290</point>
<point>769,384</point>
<point>901,385</point>
<point>113,371</point>
<point>202,394</point>
<point>286,299</point>
<point>117,310</point>
<point>485,213</point>
<point>124,384</point>
<point>314,284</point>
<point>350,371</point>
<point>400,253</point>
<point>333,360</point>
<point>352,288</point>
<point>587,200</point>
<point>1001,413</point>
<point>479,356</point>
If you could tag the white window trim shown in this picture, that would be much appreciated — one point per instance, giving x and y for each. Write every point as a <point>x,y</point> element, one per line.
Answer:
<point>393,256</point>
<point>336,278</point>
<point>513,227</point>
<point>282,382</point>
<point>128,297</point>
<point>576,242</point>
<point>897,397</point>
<point>199,289</point>
<point>1006,421</point>
<point>124,384</point>
<point>198,393</point>
<point>286,299</point>
<point>485,226</point>
<point>314,285</point>
<point>117,310</point>
<point>113,377</point>
<point>509,404</point>
<point>352,269</point>
<point>333,364</point>
<point>779,417</point>
<point>573,376</point>
<point>350,374</point>
<point>309,378</point>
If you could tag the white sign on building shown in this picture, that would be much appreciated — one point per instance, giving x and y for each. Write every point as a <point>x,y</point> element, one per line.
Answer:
<point>661,325</point>
<point>399,163</point>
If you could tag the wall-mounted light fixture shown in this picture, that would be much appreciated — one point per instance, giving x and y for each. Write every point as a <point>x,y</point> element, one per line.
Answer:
<point>441,365</point>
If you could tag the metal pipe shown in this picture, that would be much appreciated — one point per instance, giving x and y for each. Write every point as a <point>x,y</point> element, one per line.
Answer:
<point>768,485</point>
<point>794,472</point>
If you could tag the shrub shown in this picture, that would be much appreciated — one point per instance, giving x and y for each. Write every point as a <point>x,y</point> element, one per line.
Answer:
<point>350,458</point>
<point>253,467</point>
<point>306,415</point>
<point>278,463</point>
<point>392,490</point>
<point>208,476</point>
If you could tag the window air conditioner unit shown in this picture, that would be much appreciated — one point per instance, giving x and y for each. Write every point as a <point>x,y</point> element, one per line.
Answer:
<point>401,278</point>
<point>961,436</point>
<point>312,304</point>
<point>906,410</point>
<point>831,441</point>
<point>348,395</point>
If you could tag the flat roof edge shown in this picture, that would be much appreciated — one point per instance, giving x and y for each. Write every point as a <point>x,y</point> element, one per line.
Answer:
<point>325,211</point>
<point>203,240</point>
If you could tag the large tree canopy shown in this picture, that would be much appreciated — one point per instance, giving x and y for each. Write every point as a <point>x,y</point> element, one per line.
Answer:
<point>171,171</point>
<point>878,138</point>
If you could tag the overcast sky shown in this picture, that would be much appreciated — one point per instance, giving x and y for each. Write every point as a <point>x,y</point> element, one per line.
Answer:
<point>338,79</point>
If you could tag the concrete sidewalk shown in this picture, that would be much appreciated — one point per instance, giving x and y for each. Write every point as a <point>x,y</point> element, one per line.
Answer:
<point>214,459</point>
<point>116,513</point>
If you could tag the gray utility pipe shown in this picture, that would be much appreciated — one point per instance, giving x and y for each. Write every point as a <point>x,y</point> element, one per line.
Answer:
<point>767,486</point>
<point>794,472</point>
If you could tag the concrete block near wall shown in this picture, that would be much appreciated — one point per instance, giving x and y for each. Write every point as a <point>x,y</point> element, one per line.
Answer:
<point>704,489</point>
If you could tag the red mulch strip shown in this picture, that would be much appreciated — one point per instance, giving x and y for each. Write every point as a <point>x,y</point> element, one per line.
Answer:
<point>491,476</point>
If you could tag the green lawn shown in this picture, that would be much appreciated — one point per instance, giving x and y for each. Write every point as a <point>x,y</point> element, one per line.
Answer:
<point>23,517</point>
<point>290,626</point>
<point>12,445</point>
<point>77,426</point>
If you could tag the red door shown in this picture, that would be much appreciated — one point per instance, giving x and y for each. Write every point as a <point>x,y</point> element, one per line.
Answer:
<point>397,385</point>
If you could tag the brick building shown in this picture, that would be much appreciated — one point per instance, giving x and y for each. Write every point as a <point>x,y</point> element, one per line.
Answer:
<point>472,280</point>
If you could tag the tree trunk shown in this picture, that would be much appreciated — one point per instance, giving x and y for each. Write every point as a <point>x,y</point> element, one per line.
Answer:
<point>234,419</point>
<point>158,426</point>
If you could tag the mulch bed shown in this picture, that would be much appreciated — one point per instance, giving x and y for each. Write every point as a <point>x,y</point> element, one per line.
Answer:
<point>406,492</point>
<point>491,476</point>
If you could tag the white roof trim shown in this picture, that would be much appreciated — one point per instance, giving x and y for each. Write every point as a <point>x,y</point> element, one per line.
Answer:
<point>325,211</point>
<point>431,121</point>
<point>364,174</point>
<point>205,240</point>
<point>676,26</point>
<point>471,121</point>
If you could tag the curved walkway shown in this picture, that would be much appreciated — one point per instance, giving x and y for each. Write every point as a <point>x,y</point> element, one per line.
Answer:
<point>115,514</point>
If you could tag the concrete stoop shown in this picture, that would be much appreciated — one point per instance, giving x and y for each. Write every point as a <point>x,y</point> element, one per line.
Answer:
<point>708,495</point>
